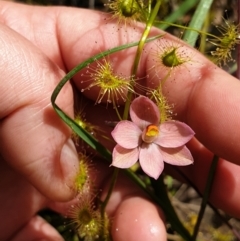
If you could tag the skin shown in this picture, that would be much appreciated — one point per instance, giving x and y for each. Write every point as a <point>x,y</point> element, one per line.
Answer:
<point>39,161</point>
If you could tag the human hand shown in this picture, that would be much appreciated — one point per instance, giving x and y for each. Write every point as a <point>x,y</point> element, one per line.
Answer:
<point>35,173</point>
<point>38,159</point>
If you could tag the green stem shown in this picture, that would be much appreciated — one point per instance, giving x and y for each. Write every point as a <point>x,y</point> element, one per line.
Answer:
<point>144,36</point>
<point>118,114</point>
<point>106,200</point>
<point>206,195</point>
<point>112,184</point>
<point>203,40</point>
<point>142,41</point>
<point>190,29</point>
<point>149,8</point>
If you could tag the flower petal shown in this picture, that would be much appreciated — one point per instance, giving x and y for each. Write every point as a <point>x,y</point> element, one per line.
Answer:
<point>151,160</point>
<point>174,134</point>
<point>127,134</point>
<point>180,156</point>
<point>144,112</point>
<point>124,158</point>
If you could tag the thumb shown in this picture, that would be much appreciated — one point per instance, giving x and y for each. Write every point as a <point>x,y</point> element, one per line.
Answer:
<point>33,138</point>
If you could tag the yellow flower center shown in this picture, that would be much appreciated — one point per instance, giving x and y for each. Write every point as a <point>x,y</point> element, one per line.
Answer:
<point>150,133</point>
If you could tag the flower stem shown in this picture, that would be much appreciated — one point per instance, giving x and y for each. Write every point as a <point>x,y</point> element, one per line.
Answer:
<point>109,193</point>
<point>118,114</point>
<point>106,200</point>
<point>142,41</point>
<point>206,195</point>
<point>198,31</point>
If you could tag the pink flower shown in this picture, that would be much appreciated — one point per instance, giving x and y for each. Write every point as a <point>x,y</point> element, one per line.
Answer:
<point>150,142</point>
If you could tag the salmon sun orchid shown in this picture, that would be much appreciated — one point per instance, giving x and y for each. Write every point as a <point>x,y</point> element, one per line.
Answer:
<point>149,141</point>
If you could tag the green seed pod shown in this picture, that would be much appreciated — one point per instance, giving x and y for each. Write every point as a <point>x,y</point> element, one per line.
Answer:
<point>129,8</point>
<point>171,59</point>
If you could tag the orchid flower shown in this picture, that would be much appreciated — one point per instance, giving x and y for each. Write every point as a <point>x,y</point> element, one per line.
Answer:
<point>149,141</point>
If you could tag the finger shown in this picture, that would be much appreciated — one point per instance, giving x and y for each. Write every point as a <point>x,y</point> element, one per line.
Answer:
<point>19,201</point>
<point>37,229</point>
<point>33,138</point>
<point>129,207</point>
<point>143,218</point>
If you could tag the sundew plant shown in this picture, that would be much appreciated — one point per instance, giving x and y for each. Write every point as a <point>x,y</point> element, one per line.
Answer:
<point>146,134</point>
